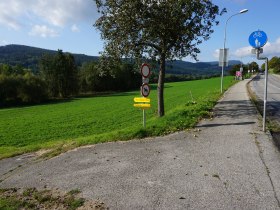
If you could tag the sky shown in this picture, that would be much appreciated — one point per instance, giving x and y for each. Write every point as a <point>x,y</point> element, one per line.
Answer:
<point>68,25</point>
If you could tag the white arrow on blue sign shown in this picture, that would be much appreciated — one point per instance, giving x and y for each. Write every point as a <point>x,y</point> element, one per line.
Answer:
<point>258,39</point>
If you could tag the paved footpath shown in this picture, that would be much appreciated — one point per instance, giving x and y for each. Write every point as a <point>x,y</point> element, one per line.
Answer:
<point>229,164</point>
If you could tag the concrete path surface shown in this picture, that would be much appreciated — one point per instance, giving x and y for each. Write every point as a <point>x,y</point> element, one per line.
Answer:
<point>224,163</point>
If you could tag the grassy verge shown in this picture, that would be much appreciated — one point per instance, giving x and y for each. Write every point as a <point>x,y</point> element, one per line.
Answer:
<point>31,198</point>
<point>66,125</point>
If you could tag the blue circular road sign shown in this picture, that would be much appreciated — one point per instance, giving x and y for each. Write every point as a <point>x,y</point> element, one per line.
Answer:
<point>257,39</point>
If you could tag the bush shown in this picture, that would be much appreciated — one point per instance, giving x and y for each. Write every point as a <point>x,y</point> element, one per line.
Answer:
<point>19,89</point>
<point>8,89</point>
<point>32,90</point>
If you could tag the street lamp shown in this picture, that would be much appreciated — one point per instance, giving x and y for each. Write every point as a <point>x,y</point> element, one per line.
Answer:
<point>223,61</point>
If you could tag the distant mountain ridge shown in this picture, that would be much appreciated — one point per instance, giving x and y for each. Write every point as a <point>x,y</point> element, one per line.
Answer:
<point>199,68</point>
<point>29,57</point>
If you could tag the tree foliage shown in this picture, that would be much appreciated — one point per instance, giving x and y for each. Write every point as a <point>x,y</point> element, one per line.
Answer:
<point>107,75</point>
<point>253,66</point>
<point>274,63</point>
<point>20,85</point>
<point>236,68</point>
<point>161,30</point>
<point>60,73</point>
<point>263,67</point>
<point>250,66</point>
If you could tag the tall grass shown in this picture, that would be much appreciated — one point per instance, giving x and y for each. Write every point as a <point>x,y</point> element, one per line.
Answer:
<point>105,118</point>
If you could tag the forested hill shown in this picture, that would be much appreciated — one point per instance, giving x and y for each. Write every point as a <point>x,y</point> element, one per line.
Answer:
<point>29,58</point>
<point>199,68</point>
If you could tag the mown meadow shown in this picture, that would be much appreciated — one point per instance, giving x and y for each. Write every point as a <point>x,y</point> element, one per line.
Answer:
<point>81,121</point>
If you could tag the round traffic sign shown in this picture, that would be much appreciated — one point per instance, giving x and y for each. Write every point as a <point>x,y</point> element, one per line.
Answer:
<point>145,90</point>
<point>145,70</point>
<point>257,39</point>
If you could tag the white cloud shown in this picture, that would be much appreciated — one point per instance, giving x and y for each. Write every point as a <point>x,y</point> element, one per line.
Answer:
<point>59,13</point>
<point>16,13</point>
<point>75,28</point>
<point>43,31</point>
<point>242,52</point>
<point>11,11</point>
<point>3,42</point>
<point>272,49</point>
<point>216,53</point>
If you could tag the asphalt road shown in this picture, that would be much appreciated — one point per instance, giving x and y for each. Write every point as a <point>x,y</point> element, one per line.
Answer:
<point>224,163</point>
<point>273,94</point>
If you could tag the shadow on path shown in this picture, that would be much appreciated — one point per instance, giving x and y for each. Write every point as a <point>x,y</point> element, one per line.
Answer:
<point>234,109</point>
<point>224,124</point>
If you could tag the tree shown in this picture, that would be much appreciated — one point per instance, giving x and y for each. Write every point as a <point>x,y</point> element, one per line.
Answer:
<point>68,82</point>
<point>6,69</point>
<point>48,73</point>
<point>236,68</point>
<point>274,64</point>
<point>126,77</point>
<point>253,66</point>
<point>263,67</point>
<point>8,89</point>
<point>60,74</point>
<point>16,89</point>
<point>161,30</point>
<point>88,77</point>
<point>32,89</point>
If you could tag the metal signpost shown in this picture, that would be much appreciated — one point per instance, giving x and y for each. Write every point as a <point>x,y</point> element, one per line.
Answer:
<point>257,40</point>
<point>144,102</point>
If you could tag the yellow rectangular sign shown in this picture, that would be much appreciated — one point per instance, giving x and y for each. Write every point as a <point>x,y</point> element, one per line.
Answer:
<point>142,105</point>
<point>143,100</point>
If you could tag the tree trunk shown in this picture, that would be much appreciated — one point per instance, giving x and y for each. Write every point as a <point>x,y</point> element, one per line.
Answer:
<point>160,87</point>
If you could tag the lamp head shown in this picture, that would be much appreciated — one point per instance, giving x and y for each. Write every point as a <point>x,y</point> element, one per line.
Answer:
<point>243,11</point>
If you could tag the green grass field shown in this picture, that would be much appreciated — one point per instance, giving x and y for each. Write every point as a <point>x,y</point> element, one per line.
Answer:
<point>84,121</point>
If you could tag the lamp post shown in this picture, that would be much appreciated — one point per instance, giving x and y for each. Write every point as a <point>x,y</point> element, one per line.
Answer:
<point>223,61</point>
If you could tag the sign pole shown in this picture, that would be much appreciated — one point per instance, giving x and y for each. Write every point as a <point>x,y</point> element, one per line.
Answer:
<point>258,51</point>
<point>144,119</point>
<point>222,76</point>
<point>265,94</point>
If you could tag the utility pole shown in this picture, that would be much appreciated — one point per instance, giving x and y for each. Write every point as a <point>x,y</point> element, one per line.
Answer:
<point>224,51</point>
